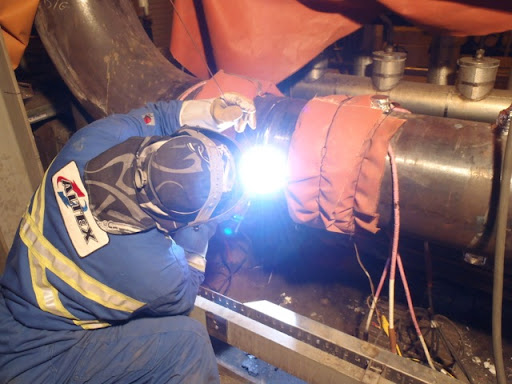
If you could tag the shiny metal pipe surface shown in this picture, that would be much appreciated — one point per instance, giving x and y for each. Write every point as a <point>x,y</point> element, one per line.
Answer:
<point>105,57</point>
<point>449,173</point>
<point>420,98</point>
<point>444,51</point>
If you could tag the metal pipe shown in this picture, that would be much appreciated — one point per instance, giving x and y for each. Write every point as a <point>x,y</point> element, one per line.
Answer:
<point>105,57</point>
<point>444,51</point>
<point>448,173</point>
<point>421,98</point>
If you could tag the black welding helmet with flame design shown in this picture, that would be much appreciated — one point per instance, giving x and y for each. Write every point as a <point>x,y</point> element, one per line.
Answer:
<point>185,179</point>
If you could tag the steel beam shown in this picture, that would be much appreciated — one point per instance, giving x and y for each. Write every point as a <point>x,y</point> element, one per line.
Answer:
<point>316,353</point>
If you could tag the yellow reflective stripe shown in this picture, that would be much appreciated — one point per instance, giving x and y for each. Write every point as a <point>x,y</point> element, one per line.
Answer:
<point>91,324</point>
<point>39,219</point>
<point>38,206</point>
<point>34,211</point>
<point>46,295</point>
<point>69,272</point>
<point>196,261</point>
<point>37,210</point>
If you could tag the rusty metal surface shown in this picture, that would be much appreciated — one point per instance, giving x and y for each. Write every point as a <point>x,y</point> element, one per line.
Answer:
<point>103,54</point>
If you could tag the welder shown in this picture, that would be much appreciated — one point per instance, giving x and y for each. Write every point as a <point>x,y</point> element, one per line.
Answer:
<point>108,257</point>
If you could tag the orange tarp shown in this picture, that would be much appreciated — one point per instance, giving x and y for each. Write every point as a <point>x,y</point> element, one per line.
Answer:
<point>16,18</point>
<point>272,39</point>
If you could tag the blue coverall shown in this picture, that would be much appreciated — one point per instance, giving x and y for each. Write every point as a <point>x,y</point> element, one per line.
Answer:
<point>79,305</point>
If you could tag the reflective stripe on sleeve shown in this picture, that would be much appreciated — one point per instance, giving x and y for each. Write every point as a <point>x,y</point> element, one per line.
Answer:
<point>71,274</point>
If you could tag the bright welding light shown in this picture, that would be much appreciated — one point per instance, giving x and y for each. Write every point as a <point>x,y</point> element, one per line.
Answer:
<point>263,170</point>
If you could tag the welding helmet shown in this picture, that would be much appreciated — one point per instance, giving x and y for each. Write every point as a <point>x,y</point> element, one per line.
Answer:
<point>172,182</point>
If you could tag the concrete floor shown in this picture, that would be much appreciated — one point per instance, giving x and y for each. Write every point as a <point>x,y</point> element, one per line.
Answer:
<point>319,277</point>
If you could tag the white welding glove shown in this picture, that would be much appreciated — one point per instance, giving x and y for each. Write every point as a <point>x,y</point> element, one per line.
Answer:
<point>229,110</point>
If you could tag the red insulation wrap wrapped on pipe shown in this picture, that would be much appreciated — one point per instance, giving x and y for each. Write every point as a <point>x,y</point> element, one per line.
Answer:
<point>337,159</point>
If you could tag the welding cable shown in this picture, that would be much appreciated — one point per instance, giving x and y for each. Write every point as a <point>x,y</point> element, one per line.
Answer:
<point>450,348</point>
<point>499,258</point>
<point>376,296</point>
<point>412,311</point>
<point>430,281</point>
<point>372,289</point>
<point>394,249</point>
<point>197,49</point>
<point>396,259</point>
<point>358,257</point>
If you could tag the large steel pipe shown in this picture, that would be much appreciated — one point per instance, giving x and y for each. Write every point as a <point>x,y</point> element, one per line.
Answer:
<point>448,176</point>
<point>104,55</point>
<point>421,98</point>
<point>449,173</point>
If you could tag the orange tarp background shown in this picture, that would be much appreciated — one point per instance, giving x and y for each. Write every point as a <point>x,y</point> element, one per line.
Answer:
<point>16,18</point>
<point>272,39</point>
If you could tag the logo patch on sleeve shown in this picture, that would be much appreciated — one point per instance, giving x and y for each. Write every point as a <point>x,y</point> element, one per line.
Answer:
<point>149,118</point>
<point>73,202</point>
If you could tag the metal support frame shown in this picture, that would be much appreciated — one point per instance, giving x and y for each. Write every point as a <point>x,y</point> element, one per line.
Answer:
<point>20,168</point>
<point>324,355</point>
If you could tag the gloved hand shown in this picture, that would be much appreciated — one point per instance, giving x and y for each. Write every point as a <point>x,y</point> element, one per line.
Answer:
<point>229,110</point>
<point>194,241</point>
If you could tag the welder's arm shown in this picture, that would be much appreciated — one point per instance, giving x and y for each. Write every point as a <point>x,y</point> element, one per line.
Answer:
<point>154,119</point>
<point>164,118</point>
<point>178,290</point>
<point>194,241</point>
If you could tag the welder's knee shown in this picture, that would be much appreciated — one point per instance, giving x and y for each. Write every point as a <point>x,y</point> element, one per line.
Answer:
<point>192,360</point>
<point>175,349</point>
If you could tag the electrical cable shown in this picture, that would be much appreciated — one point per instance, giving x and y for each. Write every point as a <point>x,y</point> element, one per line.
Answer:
<point>451,350</point>
<point>381,319</point>
<point>499,255</point>
<point>434,324</point>
<point>376,297</point>
<point>398,260</point>
<point>428,268</point>
<point>413,313</point>
<point>395,257</point>
<point>358,257</point>
<point>435,329</point>
<point>196,47</point>
<point>394,250</point>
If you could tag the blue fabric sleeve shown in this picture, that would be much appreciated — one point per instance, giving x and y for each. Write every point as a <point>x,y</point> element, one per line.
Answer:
<point>154,119</point>
<point>195,240</point>
<point>174,304</point>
